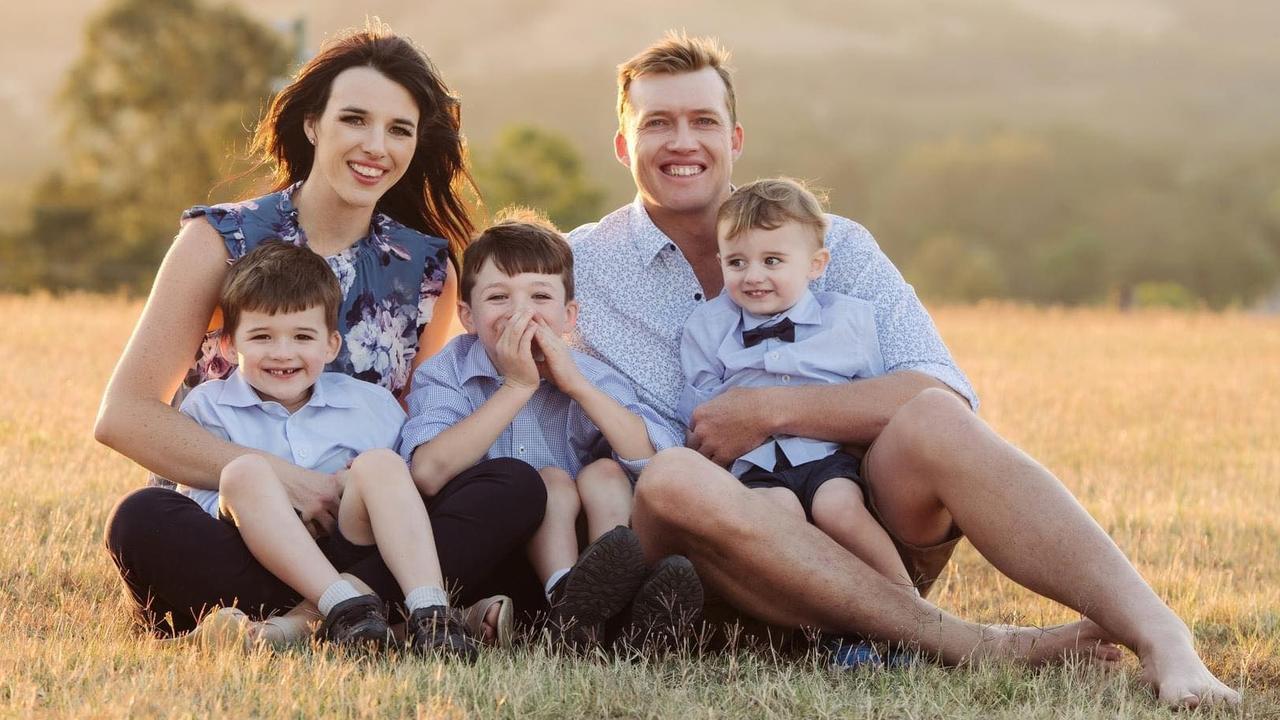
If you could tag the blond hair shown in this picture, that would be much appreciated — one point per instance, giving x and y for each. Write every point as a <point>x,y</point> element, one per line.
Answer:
<point>676,53</point>
<point>769,204</point>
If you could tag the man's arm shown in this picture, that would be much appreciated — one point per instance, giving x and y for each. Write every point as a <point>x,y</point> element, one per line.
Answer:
<point>731,424</point>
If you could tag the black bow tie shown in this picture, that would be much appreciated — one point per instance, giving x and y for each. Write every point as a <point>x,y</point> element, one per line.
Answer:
<point>784,331</point>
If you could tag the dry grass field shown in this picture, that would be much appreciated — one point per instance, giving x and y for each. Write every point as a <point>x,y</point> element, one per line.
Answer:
<point>1165,426</point>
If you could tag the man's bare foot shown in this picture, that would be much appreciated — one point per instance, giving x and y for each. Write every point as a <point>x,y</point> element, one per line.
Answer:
<point>1179,677</point>
<point>1081,641</point>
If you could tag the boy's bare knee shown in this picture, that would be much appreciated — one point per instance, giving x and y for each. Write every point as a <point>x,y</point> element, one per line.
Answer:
<point>839,506</point>
<point>241,473</point>
<point>602,473</point>
<point>562,494</point>
<point>378,462</point>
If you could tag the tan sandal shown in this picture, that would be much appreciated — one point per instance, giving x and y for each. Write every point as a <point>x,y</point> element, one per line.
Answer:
<point>476,613</point>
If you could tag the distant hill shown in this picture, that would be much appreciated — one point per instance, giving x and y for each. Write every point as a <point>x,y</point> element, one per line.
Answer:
<point>825,85</point>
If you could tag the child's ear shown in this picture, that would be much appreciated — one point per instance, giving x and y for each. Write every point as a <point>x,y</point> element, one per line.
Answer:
<point>227,344</point>
<point>570,315</point>
<point>464,317</point>
<point>335,344</point>
<point>818,264</point>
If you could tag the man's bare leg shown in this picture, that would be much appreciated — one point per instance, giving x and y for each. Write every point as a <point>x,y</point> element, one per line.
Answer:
<point>936,460</point>
<point>780,569</point>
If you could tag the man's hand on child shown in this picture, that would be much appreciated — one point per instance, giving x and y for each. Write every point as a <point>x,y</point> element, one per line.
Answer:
<point>556,364</point>
<point>515,352</point>
<point>729,425</point>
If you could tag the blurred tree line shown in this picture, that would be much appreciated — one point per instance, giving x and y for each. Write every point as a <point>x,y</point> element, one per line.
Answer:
<point>161,103</point>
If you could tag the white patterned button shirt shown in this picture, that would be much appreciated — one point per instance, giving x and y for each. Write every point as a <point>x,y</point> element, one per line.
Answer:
<point>636,290</point>
<point>551,430</point>
<point>834,342</point>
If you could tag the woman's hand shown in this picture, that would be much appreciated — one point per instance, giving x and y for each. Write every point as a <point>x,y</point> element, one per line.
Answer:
<point>514,353</point>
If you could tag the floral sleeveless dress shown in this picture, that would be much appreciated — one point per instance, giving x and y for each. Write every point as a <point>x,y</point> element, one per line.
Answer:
<point>390,282</point>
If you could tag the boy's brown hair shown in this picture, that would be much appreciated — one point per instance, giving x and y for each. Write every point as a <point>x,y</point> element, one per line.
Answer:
<point>520,241</point>
<point>676,53</point>
<point>768,205</point>
<point>279,277</point>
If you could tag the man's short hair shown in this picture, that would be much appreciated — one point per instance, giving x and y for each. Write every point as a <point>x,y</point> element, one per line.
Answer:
<point>279,277</point>
<point>676,53</point>
<point>520,241</point>
<point>769,204</point>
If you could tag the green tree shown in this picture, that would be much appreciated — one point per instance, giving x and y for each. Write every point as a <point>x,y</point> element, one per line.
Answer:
<point>155,107</point>
<point>540,169</point>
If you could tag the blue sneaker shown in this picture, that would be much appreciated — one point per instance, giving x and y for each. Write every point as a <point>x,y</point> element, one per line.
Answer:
<point>853,654</point>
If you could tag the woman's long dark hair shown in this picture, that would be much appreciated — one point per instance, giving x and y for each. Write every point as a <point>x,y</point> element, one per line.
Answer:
<point>428,198</point>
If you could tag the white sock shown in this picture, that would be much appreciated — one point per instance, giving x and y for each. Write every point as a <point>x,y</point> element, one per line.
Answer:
<point>425,596</point>
<point>555,578</point>
<point>334,594</point>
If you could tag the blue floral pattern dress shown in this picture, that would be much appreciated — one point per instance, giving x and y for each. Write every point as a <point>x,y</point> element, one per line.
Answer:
<point>390,282</point>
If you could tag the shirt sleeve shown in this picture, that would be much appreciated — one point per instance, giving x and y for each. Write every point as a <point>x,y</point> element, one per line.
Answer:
<point>390,418</point>
<point>661,435</point>
<point>436,404</point>
<point>703,372</point>
<point>908,338</point>
<point>199,406</point>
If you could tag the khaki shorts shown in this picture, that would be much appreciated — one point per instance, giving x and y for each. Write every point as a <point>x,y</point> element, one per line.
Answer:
<point>924,563</point>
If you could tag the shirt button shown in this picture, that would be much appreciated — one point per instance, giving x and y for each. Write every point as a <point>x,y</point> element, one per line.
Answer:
<point>773,355</point>
<point>786,378</point>
<point>302,453</point>
<point>697,296</point>
<point>521,449</point>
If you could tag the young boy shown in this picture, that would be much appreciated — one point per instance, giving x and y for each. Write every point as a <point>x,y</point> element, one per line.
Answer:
<point>279,305</point>
<point>768,328</point>
<point>511,387</point>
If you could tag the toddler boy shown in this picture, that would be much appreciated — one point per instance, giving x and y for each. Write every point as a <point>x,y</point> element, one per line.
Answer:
<point>279,305</point>
<point>512,388</point>
<point>768,328</point>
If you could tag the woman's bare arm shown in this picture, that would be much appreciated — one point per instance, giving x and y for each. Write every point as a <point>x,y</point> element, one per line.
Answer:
<point>135,417</point>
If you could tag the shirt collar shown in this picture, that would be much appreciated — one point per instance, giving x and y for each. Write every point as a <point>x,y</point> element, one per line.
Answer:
<point>237,392</point>
<point>806,311</point>
<point>648,239</point>
<point>476,362</point>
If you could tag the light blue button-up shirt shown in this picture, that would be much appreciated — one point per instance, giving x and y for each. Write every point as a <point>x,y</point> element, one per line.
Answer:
<point>636,290</point>
<point>551,430</point>
<point>835,341</point>
<point>343,418</point>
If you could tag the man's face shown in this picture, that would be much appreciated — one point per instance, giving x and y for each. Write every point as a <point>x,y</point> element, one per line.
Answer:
<point>679,142</point>
<point>766,271</point>
<point>498,296</point>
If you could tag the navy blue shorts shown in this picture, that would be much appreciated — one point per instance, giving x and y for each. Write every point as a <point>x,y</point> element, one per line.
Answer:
<point>805,478</point>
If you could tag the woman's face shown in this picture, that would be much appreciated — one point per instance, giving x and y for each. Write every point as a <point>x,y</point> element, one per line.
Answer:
<point>365,137</point>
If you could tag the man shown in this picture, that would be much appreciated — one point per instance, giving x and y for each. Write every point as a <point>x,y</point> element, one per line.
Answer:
<point>931,465</point>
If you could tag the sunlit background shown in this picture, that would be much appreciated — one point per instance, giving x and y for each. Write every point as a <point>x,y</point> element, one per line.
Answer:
<point>1121,152</point>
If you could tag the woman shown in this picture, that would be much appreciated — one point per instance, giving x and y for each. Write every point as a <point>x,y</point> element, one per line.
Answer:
<point>369,160</point>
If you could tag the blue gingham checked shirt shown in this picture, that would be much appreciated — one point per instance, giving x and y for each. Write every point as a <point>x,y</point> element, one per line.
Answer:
<point>551,430</point>
<point>636,292</point>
